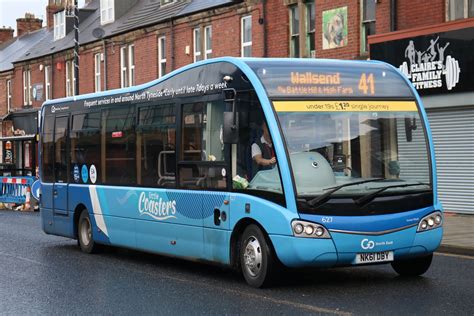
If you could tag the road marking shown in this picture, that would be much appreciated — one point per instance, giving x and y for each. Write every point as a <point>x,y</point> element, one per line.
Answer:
<point>453,255</point>
<point>24,259</point>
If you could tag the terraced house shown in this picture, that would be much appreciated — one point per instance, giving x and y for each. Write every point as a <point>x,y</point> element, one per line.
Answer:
<point>124,43</point>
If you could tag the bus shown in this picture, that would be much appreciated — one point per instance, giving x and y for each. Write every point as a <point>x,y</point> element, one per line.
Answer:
<point>252,163</point>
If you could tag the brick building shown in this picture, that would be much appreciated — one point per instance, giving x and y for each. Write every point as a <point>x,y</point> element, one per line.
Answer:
<point>125,43</point>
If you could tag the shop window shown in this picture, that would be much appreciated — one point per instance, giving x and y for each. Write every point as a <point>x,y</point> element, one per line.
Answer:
<point>459,9</point>
<point>368,23</point>
<point>246,33</point>
<point>202,149</point>
<point>156,139</point>
<point>118,131</point>
<point>85,145</point>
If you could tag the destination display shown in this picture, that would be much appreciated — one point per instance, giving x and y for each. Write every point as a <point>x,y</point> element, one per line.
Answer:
<point>345,106</point>
<point>309,78</point>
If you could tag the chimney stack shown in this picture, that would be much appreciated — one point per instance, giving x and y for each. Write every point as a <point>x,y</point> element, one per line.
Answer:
<point>6,33</point>
<point>28,24</point>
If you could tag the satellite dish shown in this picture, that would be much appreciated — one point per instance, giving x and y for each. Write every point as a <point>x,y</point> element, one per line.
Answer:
<point>98,32</point>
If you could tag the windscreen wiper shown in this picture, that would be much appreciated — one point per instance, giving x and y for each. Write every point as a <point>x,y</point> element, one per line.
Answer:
<point>323,198</point>
<point>369,197</point>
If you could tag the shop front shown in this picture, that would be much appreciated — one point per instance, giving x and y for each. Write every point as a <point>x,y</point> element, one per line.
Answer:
<point>438,60</point>
<point>19,144</point>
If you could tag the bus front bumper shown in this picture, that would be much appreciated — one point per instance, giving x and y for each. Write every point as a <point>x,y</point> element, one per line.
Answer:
<point>342,248</point>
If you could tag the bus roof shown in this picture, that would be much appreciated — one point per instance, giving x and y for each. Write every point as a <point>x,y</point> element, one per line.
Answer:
<point>296,78</point>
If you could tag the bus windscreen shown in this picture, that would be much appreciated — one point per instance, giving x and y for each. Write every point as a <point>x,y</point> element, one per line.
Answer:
<point>312,78</point>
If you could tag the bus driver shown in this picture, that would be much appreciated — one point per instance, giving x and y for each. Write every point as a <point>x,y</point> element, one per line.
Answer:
<point>263,153</point>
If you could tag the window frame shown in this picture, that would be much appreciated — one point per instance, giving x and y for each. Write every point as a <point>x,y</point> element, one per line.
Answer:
<point>449,4</point>
<point>161,58</point>
<point>364,42</point>
<point>27,97</point>
<point>294,36</point>
<point>197,51</point>
<point>97,72</point>
<point>244,44</point>
<point>131,64</point>
<point>47,82</point>
<point>207,46</point>
<point>59,22</point>
<point>70,79</point>
<point>123,67</point>
<point>310,32</point>
<point>9,95</point>
<point>107,11</point>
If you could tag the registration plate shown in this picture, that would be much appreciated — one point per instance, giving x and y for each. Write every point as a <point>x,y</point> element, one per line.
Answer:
<point>371,257</point>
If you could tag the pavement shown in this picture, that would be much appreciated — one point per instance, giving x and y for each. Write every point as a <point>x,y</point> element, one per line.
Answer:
<point>458,235</point>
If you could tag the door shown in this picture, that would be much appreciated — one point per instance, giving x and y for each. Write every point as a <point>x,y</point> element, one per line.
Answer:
<point>61,166</point>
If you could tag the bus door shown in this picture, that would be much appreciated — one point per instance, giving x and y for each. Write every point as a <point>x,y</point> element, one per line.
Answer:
<point>60,186</point>
<point>204,168</point>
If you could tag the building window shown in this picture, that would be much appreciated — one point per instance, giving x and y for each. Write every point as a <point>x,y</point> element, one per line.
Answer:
<point>197,44</point>
<point>59,25</point>
<point>70,79</point>
<point>161,56</point>
<point>97,82</point>
<point>127,66</point>
<point>47,82</point>
<point>368,23</point>
<point>459,9</point>
<point>310,30</point>
<point>294,31</point>
<point>208,42</point>
<point>9,95</point>
<point>27,100</point>
<point>246,36</point>
<point>107,12</point>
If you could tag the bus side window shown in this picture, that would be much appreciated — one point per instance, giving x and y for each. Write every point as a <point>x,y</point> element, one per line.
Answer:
<point>47,172</point>
<point>60,147</point>
<point>156,145</point>
<point>202,162</point>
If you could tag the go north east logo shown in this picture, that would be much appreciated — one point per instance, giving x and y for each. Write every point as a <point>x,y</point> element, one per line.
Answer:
<point>153,205</point>
<point>426,68</point>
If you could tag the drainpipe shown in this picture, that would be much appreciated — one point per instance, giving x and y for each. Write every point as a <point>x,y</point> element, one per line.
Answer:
<point>172,44</point>
<point>264,22</point>
<point>105,64</point>
<point>393,15</point>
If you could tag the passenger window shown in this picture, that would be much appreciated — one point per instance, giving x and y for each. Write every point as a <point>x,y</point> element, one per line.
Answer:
<point>156,139</point>
<point>85,147</point>
<point>47,173</point>
<point>120,146</point>
<point>60,149</point>
<point>202,151</point>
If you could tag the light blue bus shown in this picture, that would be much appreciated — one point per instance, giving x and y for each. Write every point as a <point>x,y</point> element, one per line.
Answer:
<point>251,163</point>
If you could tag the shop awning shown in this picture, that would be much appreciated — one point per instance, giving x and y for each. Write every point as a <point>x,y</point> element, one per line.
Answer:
<point>25,120</point>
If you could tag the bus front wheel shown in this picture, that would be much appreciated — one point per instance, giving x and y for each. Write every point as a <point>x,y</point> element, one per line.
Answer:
<point>413,267</point>
<point>256,257</point>
<point>84,233</point>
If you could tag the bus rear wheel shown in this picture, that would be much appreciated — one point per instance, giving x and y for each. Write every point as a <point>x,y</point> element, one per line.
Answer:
<point>256,258</point>
<point>84,233</point>
<point>413,267</point>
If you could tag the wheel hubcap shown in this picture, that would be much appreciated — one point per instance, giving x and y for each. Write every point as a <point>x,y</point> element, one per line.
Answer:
<point>86,231</point>
<point>253,256</point>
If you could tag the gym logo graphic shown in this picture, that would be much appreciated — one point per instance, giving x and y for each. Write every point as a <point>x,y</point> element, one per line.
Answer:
<point>153,205</point>
<point>426,68</point>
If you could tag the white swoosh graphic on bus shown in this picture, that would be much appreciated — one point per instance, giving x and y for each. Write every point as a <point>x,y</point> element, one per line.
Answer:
<point>158,218</point>
<point>128,195</point>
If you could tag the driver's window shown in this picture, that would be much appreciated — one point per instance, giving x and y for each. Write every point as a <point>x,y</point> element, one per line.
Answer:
<point>257,167</point>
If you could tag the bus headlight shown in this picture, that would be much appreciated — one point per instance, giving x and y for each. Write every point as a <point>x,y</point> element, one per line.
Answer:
<point>309,230</point>
<point>432,221</point>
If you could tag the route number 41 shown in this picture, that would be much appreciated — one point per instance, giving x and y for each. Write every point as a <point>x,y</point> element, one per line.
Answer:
<point>367,83</point>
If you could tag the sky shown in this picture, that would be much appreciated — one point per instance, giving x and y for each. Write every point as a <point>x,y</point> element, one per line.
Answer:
<point>10,10</point>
